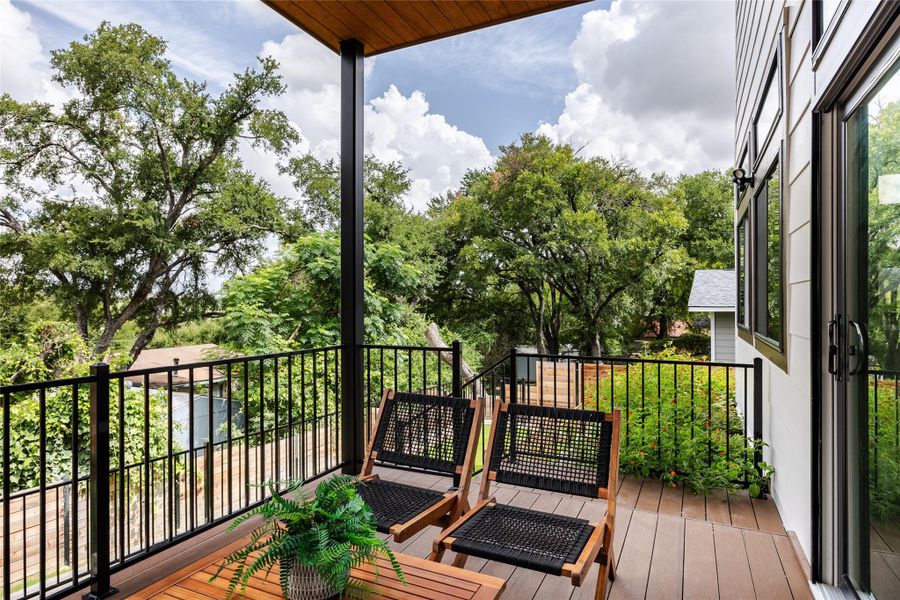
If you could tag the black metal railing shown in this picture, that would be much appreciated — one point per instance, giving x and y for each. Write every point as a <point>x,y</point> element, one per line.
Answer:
<point>425,369</point>
<point>183,448</point>
<point>674,412</point>
<point>104,470</point>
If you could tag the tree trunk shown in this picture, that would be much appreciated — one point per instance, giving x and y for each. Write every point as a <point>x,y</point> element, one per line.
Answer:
<point>81,321</point>
<point>663,325</point>
<point>434,339</point>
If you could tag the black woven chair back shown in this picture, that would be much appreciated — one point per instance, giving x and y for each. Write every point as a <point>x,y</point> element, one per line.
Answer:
<point>425,432</point>
<point>563,450</point>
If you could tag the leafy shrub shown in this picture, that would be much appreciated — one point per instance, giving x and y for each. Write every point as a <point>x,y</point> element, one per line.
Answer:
<point>680,423</point>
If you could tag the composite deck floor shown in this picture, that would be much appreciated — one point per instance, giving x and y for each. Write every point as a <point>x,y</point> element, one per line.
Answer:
<point>670,544</point>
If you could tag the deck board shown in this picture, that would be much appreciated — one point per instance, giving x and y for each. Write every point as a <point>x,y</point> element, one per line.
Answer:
<point>769,579</point>
<point>666,566</point>
<point>668,542</point>
<point>671,500</point>
<point>732,565</point>
<point>700,570</point>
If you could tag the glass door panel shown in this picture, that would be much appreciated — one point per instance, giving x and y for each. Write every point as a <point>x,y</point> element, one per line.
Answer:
<point>872,344</point>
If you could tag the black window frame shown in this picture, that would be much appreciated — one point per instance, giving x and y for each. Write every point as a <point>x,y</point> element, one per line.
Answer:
<point>761,140</point>
<point>760,259</point>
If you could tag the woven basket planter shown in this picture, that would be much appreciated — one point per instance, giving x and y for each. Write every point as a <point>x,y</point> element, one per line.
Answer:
<point>305,583</point>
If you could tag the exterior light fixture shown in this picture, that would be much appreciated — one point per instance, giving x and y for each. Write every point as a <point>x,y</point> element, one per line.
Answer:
<point>740,178</point>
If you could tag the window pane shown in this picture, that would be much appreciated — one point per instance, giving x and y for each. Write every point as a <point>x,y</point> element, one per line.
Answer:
<point>773,258</point>
<point>768,111</point>
<point>741,272</point>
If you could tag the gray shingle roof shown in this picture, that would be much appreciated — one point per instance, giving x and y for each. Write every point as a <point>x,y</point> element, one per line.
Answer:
<point>714,290</point>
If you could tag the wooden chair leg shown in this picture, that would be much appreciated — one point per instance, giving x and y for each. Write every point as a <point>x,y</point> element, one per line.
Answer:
<point>612,565</point>
<point>600,592</point>
<point>437,555</point>
<point>460,560</point>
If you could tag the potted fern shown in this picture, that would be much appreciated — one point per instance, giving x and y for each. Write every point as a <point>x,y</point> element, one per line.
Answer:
<point>314,541</point>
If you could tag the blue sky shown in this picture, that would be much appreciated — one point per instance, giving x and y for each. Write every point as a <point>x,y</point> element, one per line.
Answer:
<point>646,82</point>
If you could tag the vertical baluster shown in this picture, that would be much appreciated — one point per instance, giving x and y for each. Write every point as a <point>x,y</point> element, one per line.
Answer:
<point>209,462</point>
<point>692,402</point>
<point>315,417</point>
<point>170,458</point>
<point>627,400</point>
<point>612,386</point>
<point>192,484</point>
<point>303,416</point>
<point>121,488</point>
<point>675,408</point>
<point>659,409</point>
<point>42,488</point>
<point>75,455</point>
<point>327,415</point>
<point>291,457</point>
<point>276,439</point>
<point>643,399</point>
<point>246,468</point>
<point>7,501</point>
<point>727,415</point>
<point>337,395</point>
<point>230,444</point>
<point>146,487</point>
<point>709,427</point>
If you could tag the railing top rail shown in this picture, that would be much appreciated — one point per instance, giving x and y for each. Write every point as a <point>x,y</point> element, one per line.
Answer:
<point>884,372</point>
<point>413,348</point>
<point>624,359</point>
<point>486,370</point>
<point>33,386</point>
<point>224,361</point>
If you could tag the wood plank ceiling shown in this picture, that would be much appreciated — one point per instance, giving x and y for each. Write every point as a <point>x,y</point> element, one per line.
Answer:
<point>384,25</point>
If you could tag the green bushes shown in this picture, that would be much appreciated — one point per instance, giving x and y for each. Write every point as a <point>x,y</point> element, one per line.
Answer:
<point>680,422</point>
<point>884,448</point>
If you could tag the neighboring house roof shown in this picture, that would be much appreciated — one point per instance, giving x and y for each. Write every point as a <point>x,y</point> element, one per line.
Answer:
<point>164,357</point>
<point>714,290</point>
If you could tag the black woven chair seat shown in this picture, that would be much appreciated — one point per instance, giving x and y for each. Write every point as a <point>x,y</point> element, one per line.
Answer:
<point>395,503</point>
<point>524,538</point>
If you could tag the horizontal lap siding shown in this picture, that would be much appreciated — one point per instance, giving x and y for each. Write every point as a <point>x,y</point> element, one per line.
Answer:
<point>786,416</point>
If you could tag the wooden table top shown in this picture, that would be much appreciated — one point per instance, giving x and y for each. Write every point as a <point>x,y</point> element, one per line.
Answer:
<point>425,580</point>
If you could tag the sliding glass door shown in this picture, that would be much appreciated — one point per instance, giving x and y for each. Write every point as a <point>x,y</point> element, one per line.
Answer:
<point>869,379</point>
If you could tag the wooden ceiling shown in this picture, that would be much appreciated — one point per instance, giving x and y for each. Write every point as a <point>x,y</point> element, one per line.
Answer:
<point>384,25</point>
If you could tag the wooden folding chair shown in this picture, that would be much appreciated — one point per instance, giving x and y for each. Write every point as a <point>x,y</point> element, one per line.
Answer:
<point>569,451</point>
<point>434,433</point>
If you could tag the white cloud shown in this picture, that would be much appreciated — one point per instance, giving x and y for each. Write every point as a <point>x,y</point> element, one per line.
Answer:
<point>656,85</point>
<point>192,46</point>
<point>398,127</point>
<point>24,69</point>
<point>437,154</point>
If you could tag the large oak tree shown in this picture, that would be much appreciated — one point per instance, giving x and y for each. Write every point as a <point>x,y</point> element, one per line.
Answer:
<point>117,204</point>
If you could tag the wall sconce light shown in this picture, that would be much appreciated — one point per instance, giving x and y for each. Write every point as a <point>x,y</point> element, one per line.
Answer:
<point>740,178</point>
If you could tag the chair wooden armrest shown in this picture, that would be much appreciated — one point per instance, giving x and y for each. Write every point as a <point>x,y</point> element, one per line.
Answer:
<point>429,516</point>
<point>578,570</point>
<point>445,538</point>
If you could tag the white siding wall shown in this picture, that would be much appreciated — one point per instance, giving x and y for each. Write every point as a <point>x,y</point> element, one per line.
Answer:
<point>724,333</point>
<point>786,394</point>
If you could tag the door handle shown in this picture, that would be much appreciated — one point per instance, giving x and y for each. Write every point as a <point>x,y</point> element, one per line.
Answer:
<point>861,351</point>
<point>833,367</point>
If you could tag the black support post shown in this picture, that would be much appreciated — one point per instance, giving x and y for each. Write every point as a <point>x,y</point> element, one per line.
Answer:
<point>99,483</point>
<point>757,410</point>
<point>513,375</point>
<point>456,385</point>
<point>352,270</point>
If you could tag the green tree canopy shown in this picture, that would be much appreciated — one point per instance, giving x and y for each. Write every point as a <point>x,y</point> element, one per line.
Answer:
<point>294,300</point>
<point>567,235</point>
<point>122,200</point>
